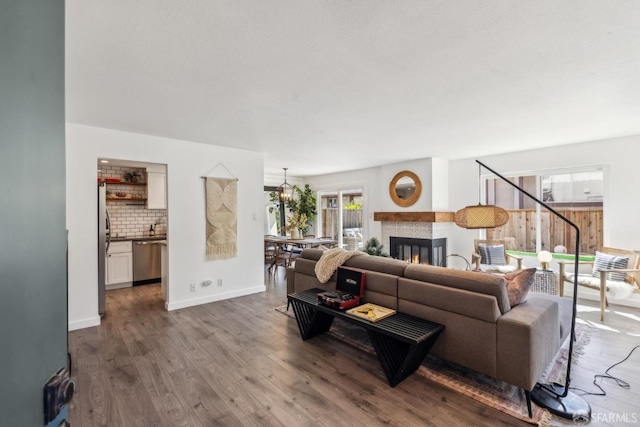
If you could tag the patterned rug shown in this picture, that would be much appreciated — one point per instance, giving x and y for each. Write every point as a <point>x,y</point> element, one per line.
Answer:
<point>494,393</point>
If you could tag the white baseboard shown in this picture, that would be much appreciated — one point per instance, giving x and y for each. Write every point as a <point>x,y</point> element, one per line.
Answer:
<point>84,323</point>
<point>212,298</point>
<point>118,286</point>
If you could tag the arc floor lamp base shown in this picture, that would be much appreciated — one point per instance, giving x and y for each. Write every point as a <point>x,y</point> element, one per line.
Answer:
<point>570,406</point>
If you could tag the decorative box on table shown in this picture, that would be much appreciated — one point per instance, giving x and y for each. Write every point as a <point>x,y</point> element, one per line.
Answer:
<point>349,289</point>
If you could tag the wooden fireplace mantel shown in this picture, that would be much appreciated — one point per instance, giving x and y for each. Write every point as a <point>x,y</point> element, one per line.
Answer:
<point>413,216</point>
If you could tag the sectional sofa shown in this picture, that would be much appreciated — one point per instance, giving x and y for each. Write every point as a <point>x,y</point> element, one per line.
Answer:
<point>482,331</point>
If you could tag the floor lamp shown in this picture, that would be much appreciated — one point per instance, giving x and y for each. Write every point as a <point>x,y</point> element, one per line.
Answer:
<point>555,397</point>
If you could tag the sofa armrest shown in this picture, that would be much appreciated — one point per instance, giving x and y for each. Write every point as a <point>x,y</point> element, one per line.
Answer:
<point>528,336</point>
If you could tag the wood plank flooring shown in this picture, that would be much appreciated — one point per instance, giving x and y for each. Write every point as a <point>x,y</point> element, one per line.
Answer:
<point>240,363</point>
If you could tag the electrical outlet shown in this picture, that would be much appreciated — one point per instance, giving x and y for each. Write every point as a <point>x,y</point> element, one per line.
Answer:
<point>206,283</point>
<point>192,287</point>
<point>219,282</point>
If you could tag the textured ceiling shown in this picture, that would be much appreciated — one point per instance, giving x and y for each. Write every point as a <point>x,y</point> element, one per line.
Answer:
<point>324,86</point>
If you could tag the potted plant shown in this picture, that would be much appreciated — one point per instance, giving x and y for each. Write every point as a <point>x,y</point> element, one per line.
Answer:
<point>296,224</point>
<point>303,204</point>
<point>132,176</point>
<point>374,247</point>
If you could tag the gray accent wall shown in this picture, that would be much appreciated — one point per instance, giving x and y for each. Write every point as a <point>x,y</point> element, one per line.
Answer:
<point>33,278</point>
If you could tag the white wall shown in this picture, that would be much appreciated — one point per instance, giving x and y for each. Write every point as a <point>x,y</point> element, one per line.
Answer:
<point>619,156</point>
<point>422,168</point>
<point>186,163</point>
<point>452,185</point>
<point>439,185</point>
<point>433,174</point>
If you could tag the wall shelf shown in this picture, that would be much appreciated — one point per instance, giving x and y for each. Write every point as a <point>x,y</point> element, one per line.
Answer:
<point>127,199</point>
<point>413,216</point>
<point>125,183</point>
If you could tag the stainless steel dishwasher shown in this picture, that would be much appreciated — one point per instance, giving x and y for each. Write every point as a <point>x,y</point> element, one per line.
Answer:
<point>146,262</point>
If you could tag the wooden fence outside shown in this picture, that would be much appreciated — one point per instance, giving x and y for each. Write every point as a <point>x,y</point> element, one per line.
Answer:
<point>351,218</point>
<point>522,227</point>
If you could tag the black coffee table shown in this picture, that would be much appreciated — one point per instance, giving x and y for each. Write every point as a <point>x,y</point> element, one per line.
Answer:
<point>400,341</point>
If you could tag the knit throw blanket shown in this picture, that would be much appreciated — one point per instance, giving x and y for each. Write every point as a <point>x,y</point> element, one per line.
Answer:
<point>221,199</point>
<point>331,260</point>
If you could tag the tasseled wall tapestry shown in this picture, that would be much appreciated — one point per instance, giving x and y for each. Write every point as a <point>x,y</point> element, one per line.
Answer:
<point>222,220</point>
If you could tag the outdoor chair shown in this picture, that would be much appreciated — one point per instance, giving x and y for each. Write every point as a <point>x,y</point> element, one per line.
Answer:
<point>615,274</point>
<point>491,255</point>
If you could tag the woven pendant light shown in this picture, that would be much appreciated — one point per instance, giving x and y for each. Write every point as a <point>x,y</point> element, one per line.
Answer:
<point>481,216</point>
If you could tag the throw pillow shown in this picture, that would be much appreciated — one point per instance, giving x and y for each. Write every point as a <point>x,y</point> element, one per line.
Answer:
<point>518,285</point>
<point>492,254</point>
<point>323,248</point>
<point>606,261</point>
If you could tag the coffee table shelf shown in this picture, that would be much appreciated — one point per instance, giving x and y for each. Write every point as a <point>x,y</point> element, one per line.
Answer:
<point>401,341</point>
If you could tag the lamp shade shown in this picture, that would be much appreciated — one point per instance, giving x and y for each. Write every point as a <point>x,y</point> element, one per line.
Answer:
<point>481,216</point>
<point>545,258</point>
<point>285,193</point>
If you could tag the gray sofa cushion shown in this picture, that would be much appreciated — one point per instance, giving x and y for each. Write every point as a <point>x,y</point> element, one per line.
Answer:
<point>377,263</point>
<point>364,262</point>
<point>488,284</point>
<point>466,341</point>
<point>381,289</point>
<point>565,310</point>
<point>313,254</point>
<point>460,301</point>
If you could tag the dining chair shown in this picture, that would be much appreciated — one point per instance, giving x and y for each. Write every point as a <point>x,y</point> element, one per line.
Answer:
<point>269,251</point>
<point>280,259</point>
<point>294,252</point>
<point>329,245</point>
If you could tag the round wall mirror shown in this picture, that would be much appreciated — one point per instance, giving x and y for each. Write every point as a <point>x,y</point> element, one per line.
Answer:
<point>405,188</point>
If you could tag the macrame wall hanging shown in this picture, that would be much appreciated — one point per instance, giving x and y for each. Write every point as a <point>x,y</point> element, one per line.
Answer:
<point>221,195</point>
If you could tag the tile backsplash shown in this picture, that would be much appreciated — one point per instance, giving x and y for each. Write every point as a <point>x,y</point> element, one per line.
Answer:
<point>131,218</point>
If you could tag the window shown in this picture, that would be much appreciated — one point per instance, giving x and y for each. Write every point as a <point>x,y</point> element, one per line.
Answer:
<point>577,195</point>
<point>341,217</point>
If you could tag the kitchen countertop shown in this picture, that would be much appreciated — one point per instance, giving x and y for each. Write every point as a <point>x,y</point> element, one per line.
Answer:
<point>137,239</point>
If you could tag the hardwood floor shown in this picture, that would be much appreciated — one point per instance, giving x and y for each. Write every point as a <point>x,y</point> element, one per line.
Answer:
<point>241,363</point>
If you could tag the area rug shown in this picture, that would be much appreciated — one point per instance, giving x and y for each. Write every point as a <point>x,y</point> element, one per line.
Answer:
<point>494,393</point>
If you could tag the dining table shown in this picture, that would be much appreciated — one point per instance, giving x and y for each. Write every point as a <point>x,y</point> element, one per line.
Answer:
<point>292,247</point>
<point>307,242</point>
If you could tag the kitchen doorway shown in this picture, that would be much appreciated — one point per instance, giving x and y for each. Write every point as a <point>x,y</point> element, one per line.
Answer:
<point>132,226</point>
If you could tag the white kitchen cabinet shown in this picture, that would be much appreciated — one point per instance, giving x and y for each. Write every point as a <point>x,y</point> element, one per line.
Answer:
<point>156,190</point>
<point>119,262</point>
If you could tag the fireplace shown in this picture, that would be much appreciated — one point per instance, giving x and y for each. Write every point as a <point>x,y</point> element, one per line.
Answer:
<point>419,251</point>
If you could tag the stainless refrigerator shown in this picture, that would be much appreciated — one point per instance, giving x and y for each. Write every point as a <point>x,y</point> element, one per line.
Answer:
<point>104,240</point>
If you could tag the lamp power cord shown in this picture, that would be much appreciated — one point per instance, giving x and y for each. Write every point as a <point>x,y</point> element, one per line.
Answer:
<point>621,383</point>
